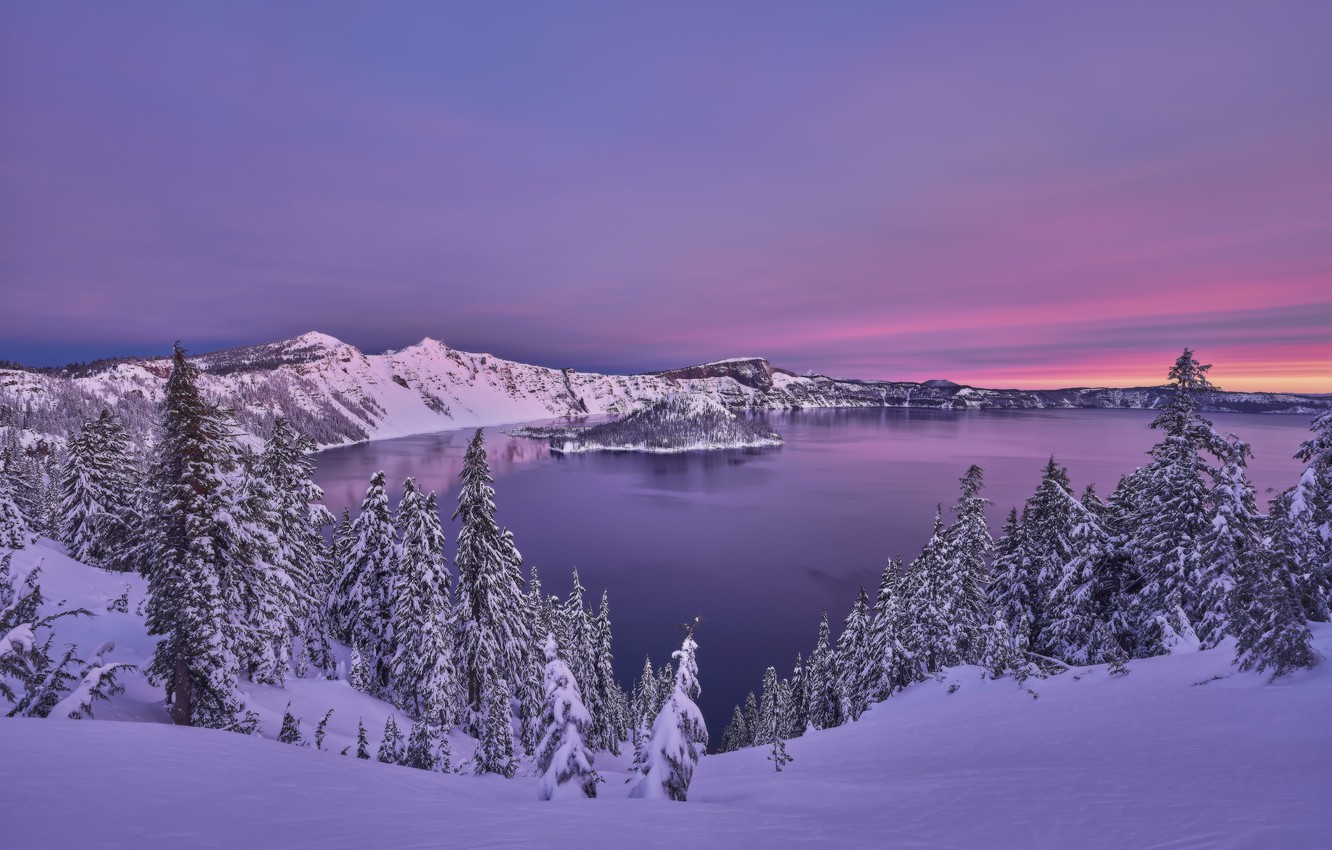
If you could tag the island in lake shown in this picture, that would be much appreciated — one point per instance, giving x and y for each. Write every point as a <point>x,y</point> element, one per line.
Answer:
<point>677,423</point>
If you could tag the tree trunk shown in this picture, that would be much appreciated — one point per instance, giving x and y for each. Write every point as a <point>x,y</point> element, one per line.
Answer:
<point>182,702</point>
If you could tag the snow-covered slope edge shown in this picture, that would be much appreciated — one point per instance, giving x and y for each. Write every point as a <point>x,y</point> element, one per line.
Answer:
<point>1183,752</point>
<point>335,393</point>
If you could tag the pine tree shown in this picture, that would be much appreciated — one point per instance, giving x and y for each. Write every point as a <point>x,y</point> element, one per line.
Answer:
<point>643,709</point>
<point>679,735</point>
<point>752,727</point>
<point>322,730</point>
<point>1012,593</point>
<point>358,676</point>
<point>562,756</point>
<point>423,746</point>
<point>853,661</point>
<point>605,725</point>
<point>1229,545</point>
<point>192,577</point>
<point>1173,516</point>
<point>1079,603</point>
<point>362,741</point>
<point>94,483</point>
<point>294,520</point>
<point>825,704</point>
<point>291,729</point>
<point>1309,522</point>
<point>1264,608</point>
<point>495,751</point>
<point>1048,520</point>
<point>423,678</point>
<point>928,637</point>
<point>734,734</point>
<point>969,544</point>
<point>797,714</point>
<point>14,529</point>
<point>390,746</point>
<point>490,600</point>
<point>363,601</point>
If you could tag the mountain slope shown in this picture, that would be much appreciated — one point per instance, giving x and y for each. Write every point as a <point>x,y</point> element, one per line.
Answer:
<point>335,393</point>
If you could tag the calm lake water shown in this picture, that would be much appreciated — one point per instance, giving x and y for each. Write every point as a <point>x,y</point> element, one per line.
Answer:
<point>759,542</point>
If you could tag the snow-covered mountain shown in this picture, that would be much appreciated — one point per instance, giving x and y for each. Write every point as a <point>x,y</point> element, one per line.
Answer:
<point>335,393</point>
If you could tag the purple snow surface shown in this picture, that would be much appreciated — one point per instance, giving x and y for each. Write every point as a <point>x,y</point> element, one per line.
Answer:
<point>1170,756</point>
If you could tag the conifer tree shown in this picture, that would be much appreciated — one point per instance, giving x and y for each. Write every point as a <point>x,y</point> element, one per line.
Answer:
<point>606,726</point>
<point>1079,603</point>
<point>363,601</point>
<point>423,678</point>
<point>968,576</point>
<point>751,717</point>
<point>1308,523</point>
<point>929,640</point>
<point>1173,516</point>
<point>95,482</point>
<point>362,741</point>
<point>494,754</point>
<point>679,735</point>
<point>423,746</point>
<point>1048,520</point>
<point>192,577</point>
<point>322,730</point>
<point>291,729</point>
<point>390,746</point>
<point>853,662</point>
<point>771,708</point>
<point>490,600</point>
<point>562,756</point>
<point>1012,598</point>
<point>14,529</point>
<point>1229,545</point>
<point>734,734</point>
<point>825,704</point>
<point>1264,609</point>
<point>797,714</point>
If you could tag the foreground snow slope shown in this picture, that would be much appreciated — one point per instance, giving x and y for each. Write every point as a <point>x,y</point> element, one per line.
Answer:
<point>1183,752</point>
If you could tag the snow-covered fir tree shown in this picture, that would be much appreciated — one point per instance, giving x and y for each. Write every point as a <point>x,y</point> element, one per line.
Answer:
<point>1264,609</point>
<point>291,729</point>
<point>562,756</point>
<point>797,703</point>
<point>14,529</point>
<point>494,753</point>
<point>191,574</point>
<point>1012,593</point>
<point>1080,601</point>
<point>95,484</point>
<point>1173,517</point>
<point>969,545</point>
<point>1048,520</point>
<point>825,702</point>
<point>362,603</point>
<point>751,720</point>
<point>390,746</point>
<point>423,744</point>
<point>927,634</point>
<point>1230,545</point>
<point>734,734</point>
<point>609,725</point>
<point>1308,522</point>
<point>295,519</point>
<point>679,735</point>
<point>854,663</point>
<point>423,679</point>
<point>492,608</point>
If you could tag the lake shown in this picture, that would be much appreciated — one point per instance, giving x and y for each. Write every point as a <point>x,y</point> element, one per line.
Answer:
<point>759,542</point>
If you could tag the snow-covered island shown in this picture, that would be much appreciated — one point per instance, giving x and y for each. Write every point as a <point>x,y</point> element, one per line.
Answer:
<point>679,422</point>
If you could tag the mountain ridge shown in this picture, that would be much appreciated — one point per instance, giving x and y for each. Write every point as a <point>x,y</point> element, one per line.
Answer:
<point>335,393</point>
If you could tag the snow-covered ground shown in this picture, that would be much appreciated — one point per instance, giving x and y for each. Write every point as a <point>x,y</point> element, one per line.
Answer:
<point>1184,752</point>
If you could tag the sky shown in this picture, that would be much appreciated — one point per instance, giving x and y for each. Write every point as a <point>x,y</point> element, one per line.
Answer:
<point>1024,194</point>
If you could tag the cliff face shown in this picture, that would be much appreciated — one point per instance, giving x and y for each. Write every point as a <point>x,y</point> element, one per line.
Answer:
<point>335,393</point>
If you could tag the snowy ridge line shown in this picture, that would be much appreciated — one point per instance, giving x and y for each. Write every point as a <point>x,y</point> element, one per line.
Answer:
<point>335,394</point>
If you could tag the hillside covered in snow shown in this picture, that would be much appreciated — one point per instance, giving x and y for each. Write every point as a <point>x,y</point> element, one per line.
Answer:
<point>1183,751</point>
<point>334,393</point>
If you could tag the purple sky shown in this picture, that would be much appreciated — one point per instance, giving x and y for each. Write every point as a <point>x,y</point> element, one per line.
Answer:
<point>999,193</point>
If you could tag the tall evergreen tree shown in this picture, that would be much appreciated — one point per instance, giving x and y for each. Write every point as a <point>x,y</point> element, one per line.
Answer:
<point>1173,516</point>
<point>423,679</point>
<point>1048,520</point>
<point>679,735</point>
<point>390,746</point>
<point>1012,594</point>
<point>1229,545</point>
<point>95,483</point>
<point>490,600</point>
<point>190,578</point>
<point>890,661</point>
<point>1080,601</point>
<point>969,544</point>
<point>494,754</point>
<point>927,634</point>
<point>363,599</point>
<point>825,704</point>
<point>1265,612</point>
<point>853,663</point>
<point>563,757</point>
<point>1309,522</point>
